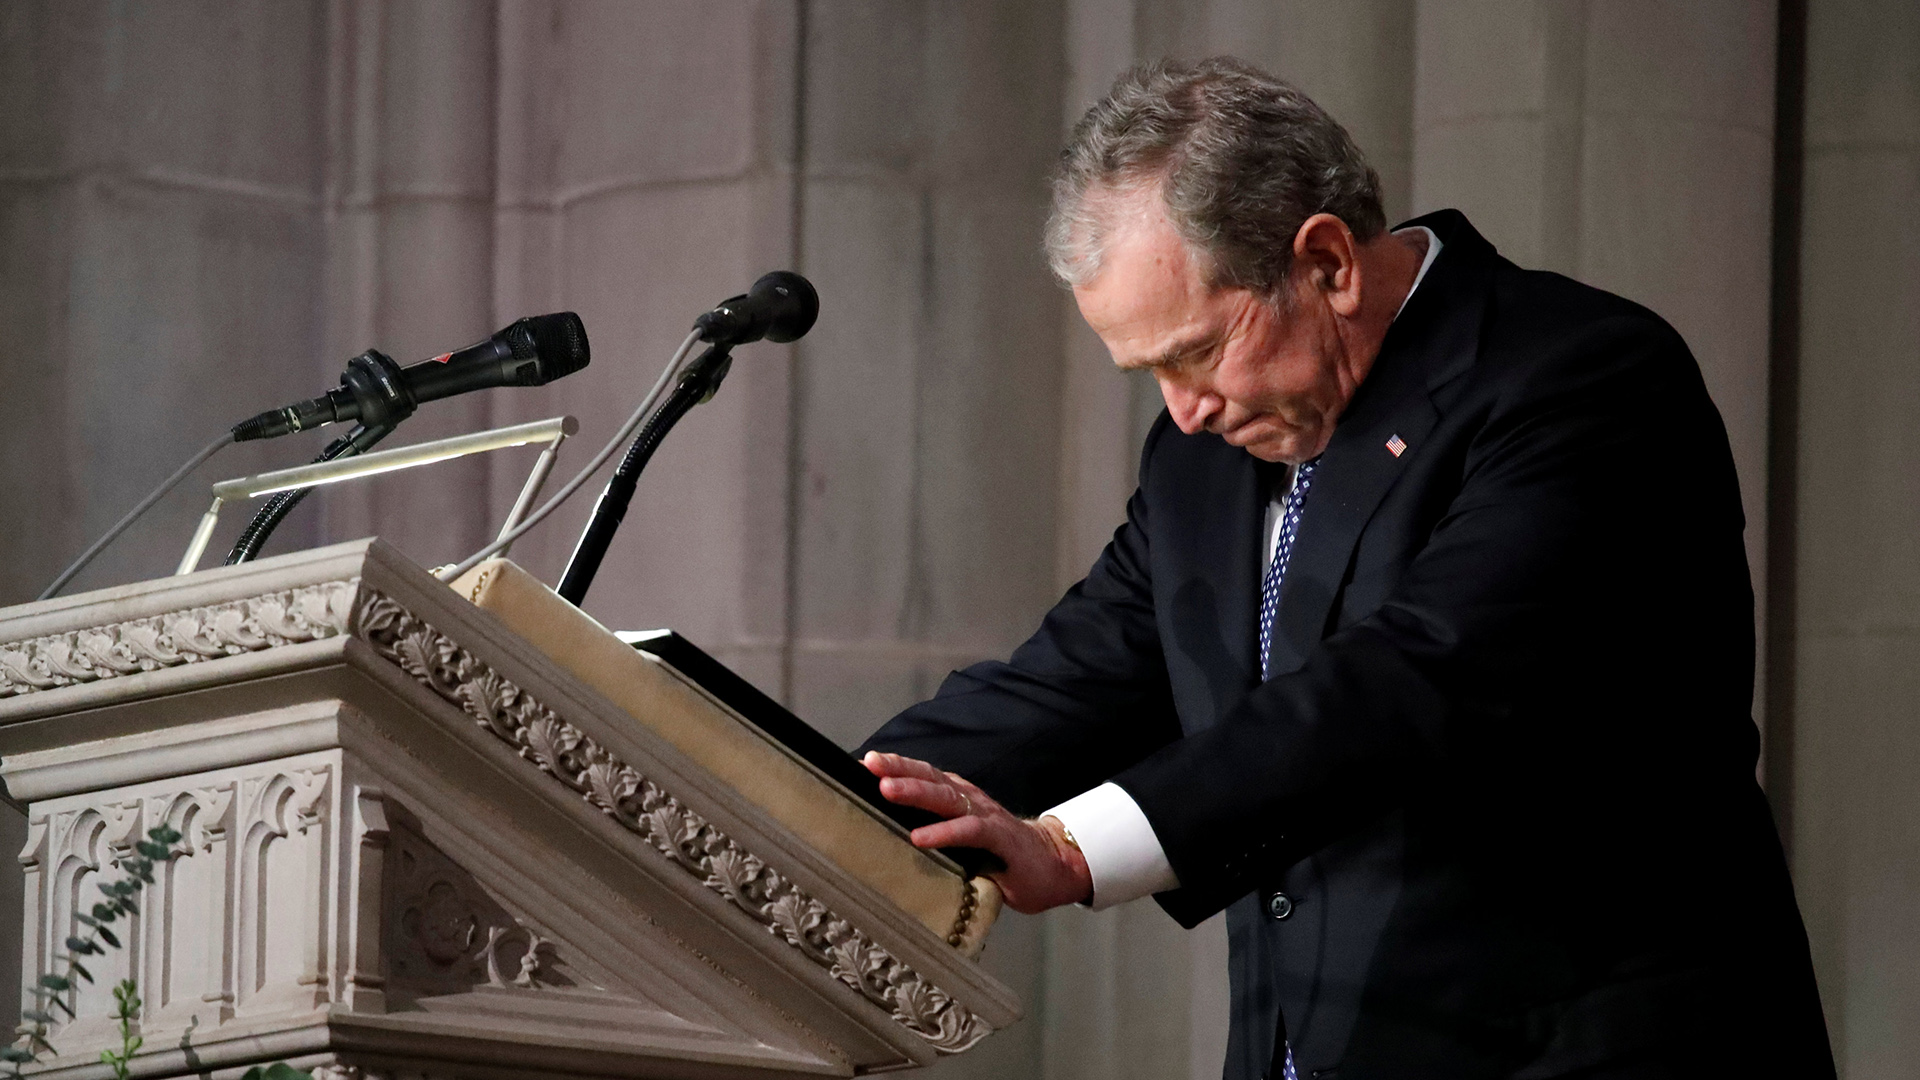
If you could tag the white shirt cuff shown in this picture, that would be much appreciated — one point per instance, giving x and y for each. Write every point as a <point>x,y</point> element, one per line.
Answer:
<point>1123,855</point>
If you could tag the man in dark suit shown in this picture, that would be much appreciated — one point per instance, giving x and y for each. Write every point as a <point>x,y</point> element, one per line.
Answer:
<point>1426,650</point>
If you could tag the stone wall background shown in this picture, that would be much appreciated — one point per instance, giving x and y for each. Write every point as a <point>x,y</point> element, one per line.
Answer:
<point>206,207</point>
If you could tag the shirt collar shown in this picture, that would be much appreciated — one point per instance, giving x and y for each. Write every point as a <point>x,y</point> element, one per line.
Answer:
<point>1433,252</point>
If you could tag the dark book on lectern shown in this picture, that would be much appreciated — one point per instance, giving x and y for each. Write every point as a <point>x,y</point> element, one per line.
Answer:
<point>799,737</point>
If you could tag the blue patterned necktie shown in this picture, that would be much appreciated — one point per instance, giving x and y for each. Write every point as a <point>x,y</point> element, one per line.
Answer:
<point>1277,570</point>
<point>1270,603</point>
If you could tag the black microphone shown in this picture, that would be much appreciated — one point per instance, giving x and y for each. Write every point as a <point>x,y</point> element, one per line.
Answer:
<point>780,307</point>
<point>376,391</point>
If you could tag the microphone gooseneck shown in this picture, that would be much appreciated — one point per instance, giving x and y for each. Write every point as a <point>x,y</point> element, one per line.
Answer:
<point>780,307</point>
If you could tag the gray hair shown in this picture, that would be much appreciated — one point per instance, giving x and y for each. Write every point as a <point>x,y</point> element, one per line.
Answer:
<point>1241,159</point>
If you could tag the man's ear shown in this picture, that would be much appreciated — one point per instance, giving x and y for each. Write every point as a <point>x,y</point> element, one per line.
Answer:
<point>1326,261</point>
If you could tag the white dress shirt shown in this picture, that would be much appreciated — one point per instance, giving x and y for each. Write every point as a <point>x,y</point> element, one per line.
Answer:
<point>1123,855</point>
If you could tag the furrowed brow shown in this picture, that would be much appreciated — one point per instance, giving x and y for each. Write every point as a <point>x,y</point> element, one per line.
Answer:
<point>1173,355</point>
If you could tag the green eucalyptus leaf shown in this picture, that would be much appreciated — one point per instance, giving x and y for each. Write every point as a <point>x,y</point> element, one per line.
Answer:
<point>104,913</point>
<point>55,982</point>
<point>76,966</point>
<point>107,936</point>
<point>132,908</point>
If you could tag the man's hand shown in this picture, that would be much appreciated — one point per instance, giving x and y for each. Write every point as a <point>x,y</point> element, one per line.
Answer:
<point>1044,870</point>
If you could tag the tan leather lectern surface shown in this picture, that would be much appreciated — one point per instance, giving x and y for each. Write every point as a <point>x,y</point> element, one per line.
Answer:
<point>830,819</point>
<point>426,838</point>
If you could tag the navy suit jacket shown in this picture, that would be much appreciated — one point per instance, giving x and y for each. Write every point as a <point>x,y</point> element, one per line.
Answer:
<point>1503,767</point>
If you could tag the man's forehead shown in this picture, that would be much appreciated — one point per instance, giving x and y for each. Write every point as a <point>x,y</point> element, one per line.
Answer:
<point>1148,297</point>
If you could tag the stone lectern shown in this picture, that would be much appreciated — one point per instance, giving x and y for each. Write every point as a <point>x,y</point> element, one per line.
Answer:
<point>415,845</point>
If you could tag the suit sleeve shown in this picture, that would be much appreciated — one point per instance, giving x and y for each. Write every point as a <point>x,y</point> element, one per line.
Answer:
<point>1514,645</point>
<point>1084,697</point>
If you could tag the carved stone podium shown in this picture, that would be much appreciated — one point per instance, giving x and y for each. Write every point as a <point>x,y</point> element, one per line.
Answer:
<point>414,845</point>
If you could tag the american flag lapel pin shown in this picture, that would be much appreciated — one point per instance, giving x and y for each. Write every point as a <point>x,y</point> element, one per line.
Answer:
<point>1397,446</point>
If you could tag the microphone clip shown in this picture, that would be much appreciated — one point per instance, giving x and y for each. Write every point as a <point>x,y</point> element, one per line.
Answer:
<point>378,390</point>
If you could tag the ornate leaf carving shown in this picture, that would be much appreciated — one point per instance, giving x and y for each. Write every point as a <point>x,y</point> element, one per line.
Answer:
<point>690,841</point>
<point>308,613</point>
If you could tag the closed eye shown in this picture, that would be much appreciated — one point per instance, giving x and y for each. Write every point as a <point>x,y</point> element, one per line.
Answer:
<point>1180,356</point>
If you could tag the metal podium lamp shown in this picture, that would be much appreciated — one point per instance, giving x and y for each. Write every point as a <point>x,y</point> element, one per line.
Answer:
<point>780,307</point>
<point>302,478</point>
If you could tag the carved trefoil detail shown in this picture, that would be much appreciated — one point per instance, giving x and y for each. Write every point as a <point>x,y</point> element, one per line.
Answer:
<point>235,922</point>
<point>679,834</point>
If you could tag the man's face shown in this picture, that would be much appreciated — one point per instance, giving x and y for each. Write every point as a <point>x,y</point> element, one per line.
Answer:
<point>1225,360</point>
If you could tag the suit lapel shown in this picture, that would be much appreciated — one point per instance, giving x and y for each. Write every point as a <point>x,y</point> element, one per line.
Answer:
<point>1231,499</point>
<point>1433,340</point>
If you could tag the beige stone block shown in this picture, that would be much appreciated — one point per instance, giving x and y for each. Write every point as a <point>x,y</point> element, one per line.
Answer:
<point>429,293</point>
<point>37,221</point>
<point>994,77</point>
<point>1856,814</point>
<point>1477,60</point>
<point>1859,479</point>
<point>1863,74</point>
<point>51,57</point>
<point>653,92</point>
<point>858,406</point>
<point>1710,61</point>
<point>1111,976</point>
<point>865,86</point>
<point>639,266</point>
<point>186,313</point>
<point>438,64</point>
<point>1355,58</point>
<point>1489,169</point>
<point>988,408</point>
<point>1099,46</point>
<point>232,91</point>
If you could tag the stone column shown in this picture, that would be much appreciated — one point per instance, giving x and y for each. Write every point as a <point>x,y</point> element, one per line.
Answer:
<point>409,153</point>
<point>1855,745</point>
<point>644,173</point>
<point>161,209</point>
<point>925,455</point>
<point>1626,143</point>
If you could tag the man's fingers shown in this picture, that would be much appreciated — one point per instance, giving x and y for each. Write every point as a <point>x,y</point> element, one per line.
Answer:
<point>941,798</point>
<point>958,832</point>
<point>884,765</point>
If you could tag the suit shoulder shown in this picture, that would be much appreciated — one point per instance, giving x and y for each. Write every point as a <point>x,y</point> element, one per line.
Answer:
<point>1544,328</point>
<point>1539,307</point>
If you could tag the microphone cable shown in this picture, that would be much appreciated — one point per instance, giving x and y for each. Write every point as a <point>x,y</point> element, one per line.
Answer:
<point>668,375</point>
<point>133,515</point>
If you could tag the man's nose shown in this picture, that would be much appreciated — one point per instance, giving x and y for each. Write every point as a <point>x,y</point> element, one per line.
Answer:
<point>1191,407</point>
